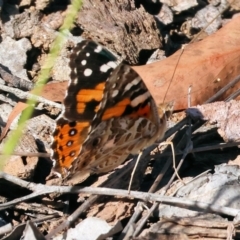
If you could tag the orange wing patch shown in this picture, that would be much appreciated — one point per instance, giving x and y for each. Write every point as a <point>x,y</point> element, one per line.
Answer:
<point>117,110</point>
<point>85,96</point>
<point>68,140</point>
<point>120,108</point>
<point>142,112</point>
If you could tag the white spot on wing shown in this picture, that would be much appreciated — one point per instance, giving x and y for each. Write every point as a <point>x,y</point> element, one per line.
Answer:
<point>75,70</point>
<point>87,72</point>
<point>136,81</point>
<point>132,83</point>
<point>104,68</point>
<point>77,52</point>
<point>72,132</point>
<point>87,54</point>
<point>75,81</point>
<point>139,99</point>
<point>98,49</point>
<point>107,66</point>
<point>112,64</point>
<point>83,62</point>
<point>115,93</point>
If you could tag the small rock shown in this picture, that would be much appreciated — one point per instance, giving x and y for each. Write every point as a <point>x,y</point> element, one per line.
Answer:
<point>22,25</point>
<point>165,15</point>
<point>13,55</point>
<point>204,17</point>
<point>180,5</point>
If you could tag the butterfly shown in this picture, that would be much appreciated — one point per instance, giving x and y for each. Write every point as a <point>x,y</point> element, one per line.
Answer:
<point>108,114</point>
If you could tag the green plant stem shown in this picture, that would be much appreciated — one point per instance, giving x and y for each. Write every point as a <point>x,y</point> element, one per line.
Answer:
<point>15,135</point>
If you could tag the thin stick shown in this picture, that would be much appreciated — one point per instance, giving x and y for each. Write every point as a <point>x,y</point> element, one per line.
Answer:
<point>14,80</point>
<point>174,201</point>
<point>26,95</point>
<point>29,154</point>
<point>224,89</point>
<point>232,96</point>
<point>189,96</point>
<point>173,156</point>
<point>7,100</point>
<point>134,170</point>
<point>207,148</point>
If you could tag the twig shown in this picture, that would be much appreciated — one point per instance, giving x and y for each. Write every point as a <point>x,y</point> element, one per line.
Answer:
<point>7,100</point>
<point>29,154</point>
<point>17,181</point>
<point>174,201</point>
<point>206,148</point>
<point>70,219</point>
<point>186,151</point>
<point>8,228</point>
<point>175,128</point>
<point>26,95</point>
<point>14,80</point>
<point>224,89</point>
<point>232,96</point>
<point>215,146</point>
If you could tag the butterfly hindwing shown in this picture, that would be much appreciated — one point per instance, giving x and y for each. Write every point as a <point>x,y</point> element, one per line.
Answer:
<point>126,122</point>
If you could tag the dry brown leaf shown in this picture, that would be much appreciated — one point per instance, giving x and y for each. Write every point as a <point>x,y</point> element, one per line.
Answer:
<point>55,91</point>
<point>207,66</point>
<point>15,112</point>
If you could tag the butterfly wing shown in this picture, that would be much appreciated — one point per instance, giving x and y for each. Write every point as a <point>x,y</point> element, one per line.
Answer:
<point>127,121</point>
<point>90,66</point>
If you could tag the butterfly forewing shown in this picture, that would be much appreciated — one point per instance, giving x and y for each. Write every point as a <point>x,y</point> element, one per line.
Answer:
<point>90,66</point>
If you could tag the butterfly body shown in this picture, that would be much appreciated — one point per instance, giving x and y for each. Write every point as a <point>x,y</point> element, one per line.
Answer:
<point>107,116</point>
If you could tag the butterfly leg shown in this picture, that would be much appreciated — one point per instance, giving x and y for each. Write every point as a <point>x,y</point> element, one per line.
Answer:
<point>174,161</point>
<point>134,170</point>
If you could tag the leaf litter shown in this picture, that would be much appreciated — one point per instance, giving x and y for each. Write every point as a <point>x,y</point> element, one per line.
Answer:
<point>206,66</point>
